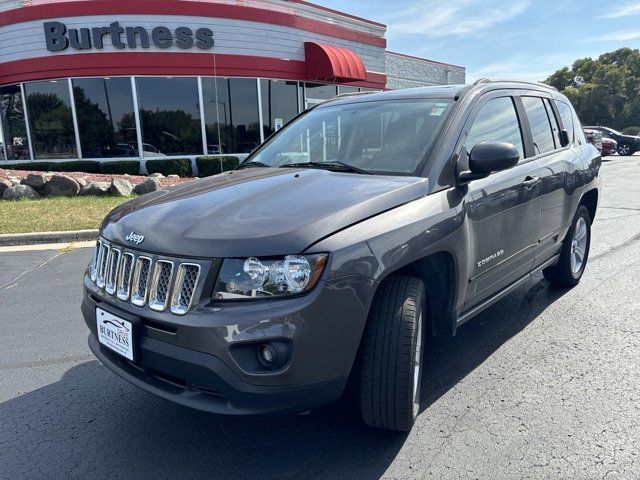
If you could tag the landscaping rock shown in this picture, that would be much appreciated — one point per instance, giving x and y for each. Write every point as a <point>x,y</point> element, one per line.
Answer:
<point>156,175</point>
<point>95,188</point>
<point>35,181</point>
<point>173,175</point>
<point>148,186</point>
<point>61,185</point>
<point>4,184</point>
<point>14,181</point>
<point>121,187</point>
<point>19,191</point>
<point>82,182</point>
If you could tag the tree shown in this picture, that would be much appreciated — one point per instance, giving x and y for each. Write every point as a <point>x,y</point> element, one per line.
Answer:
<point>605,90</point>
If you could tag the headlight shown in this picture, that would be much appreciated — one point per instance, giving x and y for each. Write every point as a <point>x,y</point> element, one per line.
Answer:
<point>242,278</point>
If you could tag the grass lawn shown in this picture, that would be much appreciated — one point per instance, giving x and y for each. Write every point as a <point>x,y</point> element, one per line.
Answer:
<point>55,213</point>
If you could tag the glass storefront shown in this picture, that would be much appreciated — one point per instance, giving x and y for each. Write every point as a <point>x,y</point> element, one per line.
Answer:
<point>106,119</point>
<point>50,119</point>
<point>169,116</point>
<point>14,129</point>
<point>168,121</point>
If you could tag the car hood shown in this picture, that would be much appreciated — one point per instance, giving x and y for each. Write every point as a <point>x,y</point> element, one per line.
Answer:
<point>256,212</point>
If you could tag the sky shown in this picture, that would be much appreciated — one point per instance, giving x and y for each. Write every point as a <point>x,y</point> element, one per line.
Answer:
<point>523,39</point>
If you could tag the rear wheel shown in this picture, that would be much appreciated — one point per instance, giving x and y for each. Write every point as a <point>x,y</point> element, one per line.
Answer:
<point>574,253</point>
<point>392,355</point>
<point>624,149</point>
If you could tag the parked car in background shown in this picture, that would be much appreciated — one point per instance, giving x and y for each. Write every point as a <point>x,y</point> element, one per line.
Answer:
<point>609,146</point>
<point>627,144</point>
<point>594,137</point>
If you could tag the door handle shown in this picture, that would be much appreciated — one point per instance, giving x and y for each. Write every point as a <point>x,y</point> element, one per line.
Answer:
<point>530,181</point>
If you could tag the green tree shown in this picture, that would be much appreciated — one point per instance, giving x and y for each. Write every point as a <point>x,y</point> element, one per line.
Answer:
<point>604,90</point>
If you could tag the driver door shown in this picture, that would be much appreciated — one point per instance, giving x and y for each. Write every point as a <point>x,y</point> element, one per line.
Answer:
<point>503,209</point>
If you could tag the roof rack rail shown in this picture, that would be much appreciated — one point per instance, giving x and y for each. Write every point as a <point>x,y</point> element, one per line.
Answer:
<point>495,80</point>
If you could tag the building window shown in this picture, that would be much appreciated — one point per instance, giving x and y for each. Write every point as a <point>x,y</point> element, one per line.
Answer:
<point>347,89</point>
<point>50,121</point>
<point>169,116</point>
<point>106,119</point>
<point>231,114</point>
<point>317,93</point>
<point>14,129</point>
<point>279,104</point>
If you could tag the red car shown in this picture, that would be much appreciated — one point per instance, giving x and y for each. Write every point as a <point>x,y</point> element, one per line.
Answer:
<point>609,146</point>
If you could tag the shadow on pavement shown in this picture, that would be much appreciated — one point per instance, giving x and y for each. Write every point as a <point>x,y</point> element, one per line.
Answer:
<point>90,424</point>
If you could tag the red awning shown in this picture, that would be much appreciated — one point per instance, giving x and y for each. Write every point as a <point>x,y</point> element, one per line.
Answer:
<point>329,63</point>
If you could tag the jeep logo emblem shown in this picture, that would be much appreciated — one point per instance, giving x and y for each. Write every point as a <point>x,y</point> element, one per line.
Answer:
<point>135,238</point>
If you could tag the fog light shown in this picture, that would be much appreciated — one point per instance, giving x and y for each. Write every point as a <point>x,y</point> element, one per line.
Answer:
<point>274,354</point>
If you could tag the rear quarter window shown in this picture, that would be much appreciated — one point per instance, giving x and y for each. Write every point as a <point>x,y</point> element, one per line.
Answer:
<point>540,125</point>
<point>567,119</point>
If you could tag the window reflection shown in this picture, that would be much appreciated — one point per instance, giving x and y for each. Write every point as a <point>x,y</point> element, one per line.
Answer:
<point>496,121</point>
<point>106,119</point>
<point>169,116</point>
<point>14,128</point>
<point>49,112</point>
<point>317,93</point>
<point>539,121</point>
<point>231,114</point>
<point>567,119</point>
<point>279,104</point>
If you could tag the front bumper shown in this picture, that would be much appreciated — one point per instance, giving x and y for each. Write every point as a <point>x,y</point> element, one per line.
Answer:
<point>189,359</point>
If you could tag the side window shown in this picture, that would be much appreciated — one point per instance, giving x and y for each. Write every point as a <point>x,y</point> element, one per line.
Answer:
<point>497,120</point>
<point>555,128</point>
<point>539,122</point>
<point>567,118</point>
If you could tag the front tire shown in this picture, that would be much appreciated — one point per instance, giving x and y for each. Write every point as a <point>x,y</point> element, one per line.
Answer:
<point>392,354</point>
<point>574,254</point>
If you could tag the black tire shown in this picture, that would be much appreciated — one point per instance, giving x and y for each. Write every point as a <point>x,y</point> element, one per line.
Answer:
<point>624,149</point>
<point>564,274</point>
<point>387,396</point>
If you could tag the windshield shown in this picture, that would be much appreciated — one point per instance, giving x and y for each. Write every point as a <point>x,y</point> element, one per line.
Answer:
<point>384,137</point>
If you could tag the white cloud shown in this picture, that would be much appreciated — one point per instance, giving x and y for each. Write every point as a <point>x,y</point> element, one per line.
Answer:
<point>616,37</point>
<point>632,8</point>
<point>440,18</point>
<point>521,68</point>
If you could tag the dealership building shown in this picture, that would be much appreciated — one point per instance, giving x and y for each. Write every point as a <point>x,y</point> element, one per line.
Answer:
<point>143,79</point>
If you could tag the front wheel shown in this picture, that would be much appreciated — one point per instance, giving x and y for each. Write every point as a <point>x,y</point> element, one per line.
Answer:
<point>574,254</point>
<point>392,355</point>
<point>624,149</point>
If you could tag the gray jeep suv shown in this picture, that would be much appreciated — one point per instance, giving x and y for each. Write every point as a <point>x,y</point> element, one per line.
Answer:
<point>328,256</point>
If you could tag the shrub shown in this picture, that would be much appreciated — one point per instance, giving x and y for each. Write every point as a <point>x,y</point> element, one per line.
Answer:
<point>171,166</point>
<point>208,166</point>
<point>631,131</point>
<point>74,166</point>
<point>132,167</point>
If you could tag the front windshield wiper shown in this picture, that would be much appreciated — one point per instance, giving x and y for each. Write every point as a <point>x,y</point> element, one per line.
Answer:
<point>334,165</point>
<point>252,164</point>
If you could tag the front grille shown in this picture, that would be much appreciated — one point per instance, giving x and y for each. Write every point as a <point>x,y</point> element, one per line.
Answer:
<point>141,281</point>
<point>160,284</point>
<point>145,280</point>
<point>187,280</point>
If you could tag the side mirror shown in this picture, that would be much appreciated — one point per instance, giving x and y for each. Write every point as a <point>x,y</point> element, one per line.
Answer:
<point>488,157</point>
<point>564,137</point>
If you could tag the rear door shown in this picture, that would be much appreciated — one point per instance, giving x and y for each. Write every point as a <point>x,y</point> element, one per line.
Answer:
<point>503,209</point>
<point>557,167</point>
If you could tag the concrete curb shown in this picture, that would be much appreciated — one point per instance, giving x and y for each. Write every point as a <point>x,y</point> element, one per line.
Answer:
<point>10,239</point>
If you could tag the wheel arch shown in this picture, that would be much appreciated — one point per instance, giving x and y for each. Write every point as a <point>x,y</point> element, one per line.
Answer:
<point>590,200</point>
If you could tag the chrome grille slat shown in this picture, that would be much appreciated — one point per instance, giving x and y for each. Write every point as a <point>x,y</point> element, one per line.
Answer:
<point>141,281</point>
<point>124,276</point>
<point>105,253</point>
<point>160,285</point>
<point>185,287</point>
<point>112,271</point>
<point>94,261</point>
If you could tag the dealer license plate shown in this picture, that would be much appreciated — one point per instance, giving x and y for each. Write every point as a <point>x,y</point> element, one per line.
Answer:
<point>115,333</point>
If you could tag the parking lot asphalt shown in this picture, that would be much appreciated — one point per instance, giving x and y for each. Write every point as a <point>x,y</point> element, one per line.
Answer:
<point>544,384</point>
